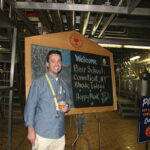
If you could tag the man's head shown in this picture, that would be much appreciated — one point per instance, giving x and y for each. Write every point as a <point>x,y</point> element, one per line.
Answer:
<point>54,62</point>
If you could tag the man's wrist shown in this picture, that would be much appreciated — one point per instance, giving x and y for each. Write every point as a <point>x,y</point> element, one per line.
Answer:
<point>30,128</point>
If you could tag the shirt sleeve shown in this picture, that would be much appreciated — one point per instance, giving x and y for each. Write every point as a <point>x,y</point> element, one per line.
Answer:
<point>30,107</point>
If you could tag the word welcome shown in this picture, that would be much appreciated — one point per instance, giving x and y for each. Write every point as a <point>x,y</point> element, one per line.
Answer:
<point>83,59</point>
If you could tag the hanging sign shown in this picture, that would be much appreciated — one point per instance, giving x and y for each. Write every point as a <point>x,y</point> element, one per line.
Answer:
<point>144,120</point>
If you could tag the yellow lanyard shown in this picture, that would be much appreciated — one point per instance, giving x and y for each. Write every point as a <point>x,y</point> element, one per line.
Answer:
<point>54,95</point>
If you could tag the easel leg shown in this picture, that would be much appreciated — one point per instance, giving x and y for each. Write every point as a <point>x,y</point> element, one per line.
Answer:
<point>79,130</point>
<point>77,136</point>
<point>99,132</point>
<point>74,142</point>
<point>146,148</point>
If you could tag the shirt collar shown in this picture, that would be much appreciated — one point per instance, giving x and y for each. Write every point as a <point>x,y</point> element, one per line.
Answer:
<point>52,77</point>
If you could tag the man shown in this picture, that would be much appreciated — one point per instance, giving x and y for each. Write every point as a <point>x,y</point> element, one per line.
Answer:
<point>46,124</point>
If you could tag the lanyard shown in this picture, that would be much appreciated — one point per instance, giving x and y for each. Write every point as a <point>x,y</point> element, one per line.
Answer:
<point>54,95</point>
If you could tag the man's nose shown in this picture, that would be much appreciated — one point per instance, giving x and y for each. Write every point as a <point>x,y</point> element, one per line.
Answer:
<point>57,63</point>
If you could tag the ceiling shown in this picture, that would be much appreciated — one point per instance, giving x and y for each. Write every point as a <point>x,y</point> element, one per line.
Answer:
<point>125,22</point>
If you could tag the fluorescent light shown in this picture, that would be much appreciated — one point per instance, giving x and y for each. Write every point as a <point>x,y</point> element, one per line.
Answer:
<point>0,46</point>
<point>110,45</point>
<point>136,47</point>
<point>135,57</point>
<point>145,60</point>
<point>124,46</point>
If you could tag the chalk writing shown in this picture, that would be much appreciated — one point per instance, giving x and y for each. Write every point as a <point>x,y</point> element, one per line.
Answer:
<point>91,80</point>
<point>93,70</point>
<point>83,59</point>
<point>86,77</point>
<point>87,97</point>
<point>77,68</point>
<point>81,85</point>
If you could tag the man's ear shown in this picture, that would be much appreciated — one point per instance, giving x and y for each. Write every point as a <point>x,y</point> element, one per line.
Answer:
<point>47,65</point>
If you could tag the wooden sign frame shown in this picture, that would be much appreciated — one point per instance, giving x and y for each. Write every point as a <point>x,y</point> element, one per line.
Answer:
<point>71,40</point>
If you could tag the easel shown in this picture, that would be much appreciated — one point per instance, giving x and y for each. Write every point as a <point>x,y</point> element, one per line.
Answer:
<point>86,139</point>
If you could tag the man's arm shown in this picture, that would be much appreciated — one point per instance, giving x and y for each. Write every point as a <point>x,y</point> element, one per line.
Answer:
<point>29,111</point>
<point>31,135</point>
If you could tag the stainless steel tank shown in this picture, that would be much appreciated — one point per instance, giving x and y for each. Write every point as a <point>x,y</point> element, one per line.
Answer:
<point>145,83</point>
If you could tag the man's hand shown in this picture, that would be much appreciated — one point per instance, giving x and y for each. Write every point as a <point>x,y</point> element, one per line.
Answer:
<point>31,135</point>
<point>65,109</point>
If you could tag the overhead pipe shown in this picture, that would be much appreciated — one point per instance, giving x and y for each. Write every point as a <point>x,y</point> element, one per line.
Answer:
<point>57,19</point>
<point>23,17</point>
<point>44,18</point>
<point>96,23</point>
<point>140,33</point>
<point>127,33</point>
<point>132,5</point>
<point>124,31</point>
<point>2,5</point>
<point>126,38</point>
<point>116,34</point>
<point>109,21</point>
<point>70,16</point>
<point>85,16</point>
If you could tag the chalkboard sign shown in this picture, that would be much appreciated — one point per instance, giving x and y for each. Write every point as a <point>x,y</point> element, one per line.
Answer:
<point>91,80</point>
<point>144,119</point>
<point>88,76</point>
<point>87,69</point>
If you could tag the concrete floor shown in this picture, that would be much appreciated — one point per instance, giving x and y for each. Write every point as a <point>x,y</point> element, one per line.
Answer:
<point>116,133</point>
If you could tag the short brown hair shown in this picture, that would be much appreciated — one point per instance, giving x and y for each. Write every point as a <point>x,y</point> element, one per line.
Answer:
<point>53,52</point>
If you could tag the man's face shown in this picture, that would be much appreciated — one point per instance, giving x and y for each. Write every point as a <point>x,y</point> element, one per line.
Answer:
<point>54,65</point>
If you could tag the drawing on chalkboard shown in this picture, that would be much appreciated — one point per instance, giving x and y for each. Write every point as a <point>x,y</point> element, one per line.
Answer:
<point>105,96</point>
<point>104,61</point>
